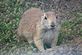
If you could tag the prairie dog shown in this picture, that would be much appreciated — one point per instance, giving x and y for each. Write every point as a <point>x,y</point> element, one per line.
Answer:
<point>38,27</point>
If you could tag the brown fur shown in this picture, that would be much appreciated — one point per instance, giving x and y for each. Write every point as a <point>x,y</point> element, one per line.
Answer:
<point>34,27</point>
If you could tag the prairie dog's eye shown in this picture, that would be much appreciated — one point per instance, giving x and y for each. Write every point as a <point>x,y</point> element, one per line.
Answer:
<point>56,17</point>
<point>45,18</point>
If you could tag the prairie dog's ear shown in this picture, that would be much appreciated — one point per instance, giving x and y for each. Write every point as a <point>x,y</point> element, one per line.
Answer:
<point>44,14</point>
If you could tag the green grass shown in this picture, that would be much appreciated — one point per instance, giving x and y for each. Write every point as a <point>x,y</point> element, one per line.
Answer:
<point>10,14</point>
<point>71,28</point>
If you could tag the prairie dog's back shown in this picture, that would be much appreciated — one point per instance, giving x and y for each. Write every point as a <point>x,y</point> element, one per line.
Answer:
<point>28,21</point>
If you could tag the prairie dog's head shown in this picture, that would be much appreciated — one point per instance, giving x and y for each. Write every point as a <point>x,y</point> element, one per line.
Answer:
<point>48,20</point>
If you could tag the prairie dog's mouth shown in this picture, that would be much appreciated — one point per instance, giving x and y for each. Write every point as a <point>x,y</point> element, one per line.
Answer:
<point>49,29</point>
<point>53,28</point>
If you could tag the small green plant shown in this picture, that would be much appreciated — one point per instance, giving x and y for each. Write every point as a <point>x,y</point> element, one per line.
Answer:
<point>70,29</point>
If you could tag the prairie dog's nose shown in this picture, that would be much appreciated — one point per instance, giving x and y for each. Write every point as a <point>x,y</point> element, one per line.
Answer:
<point>52,24</point>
